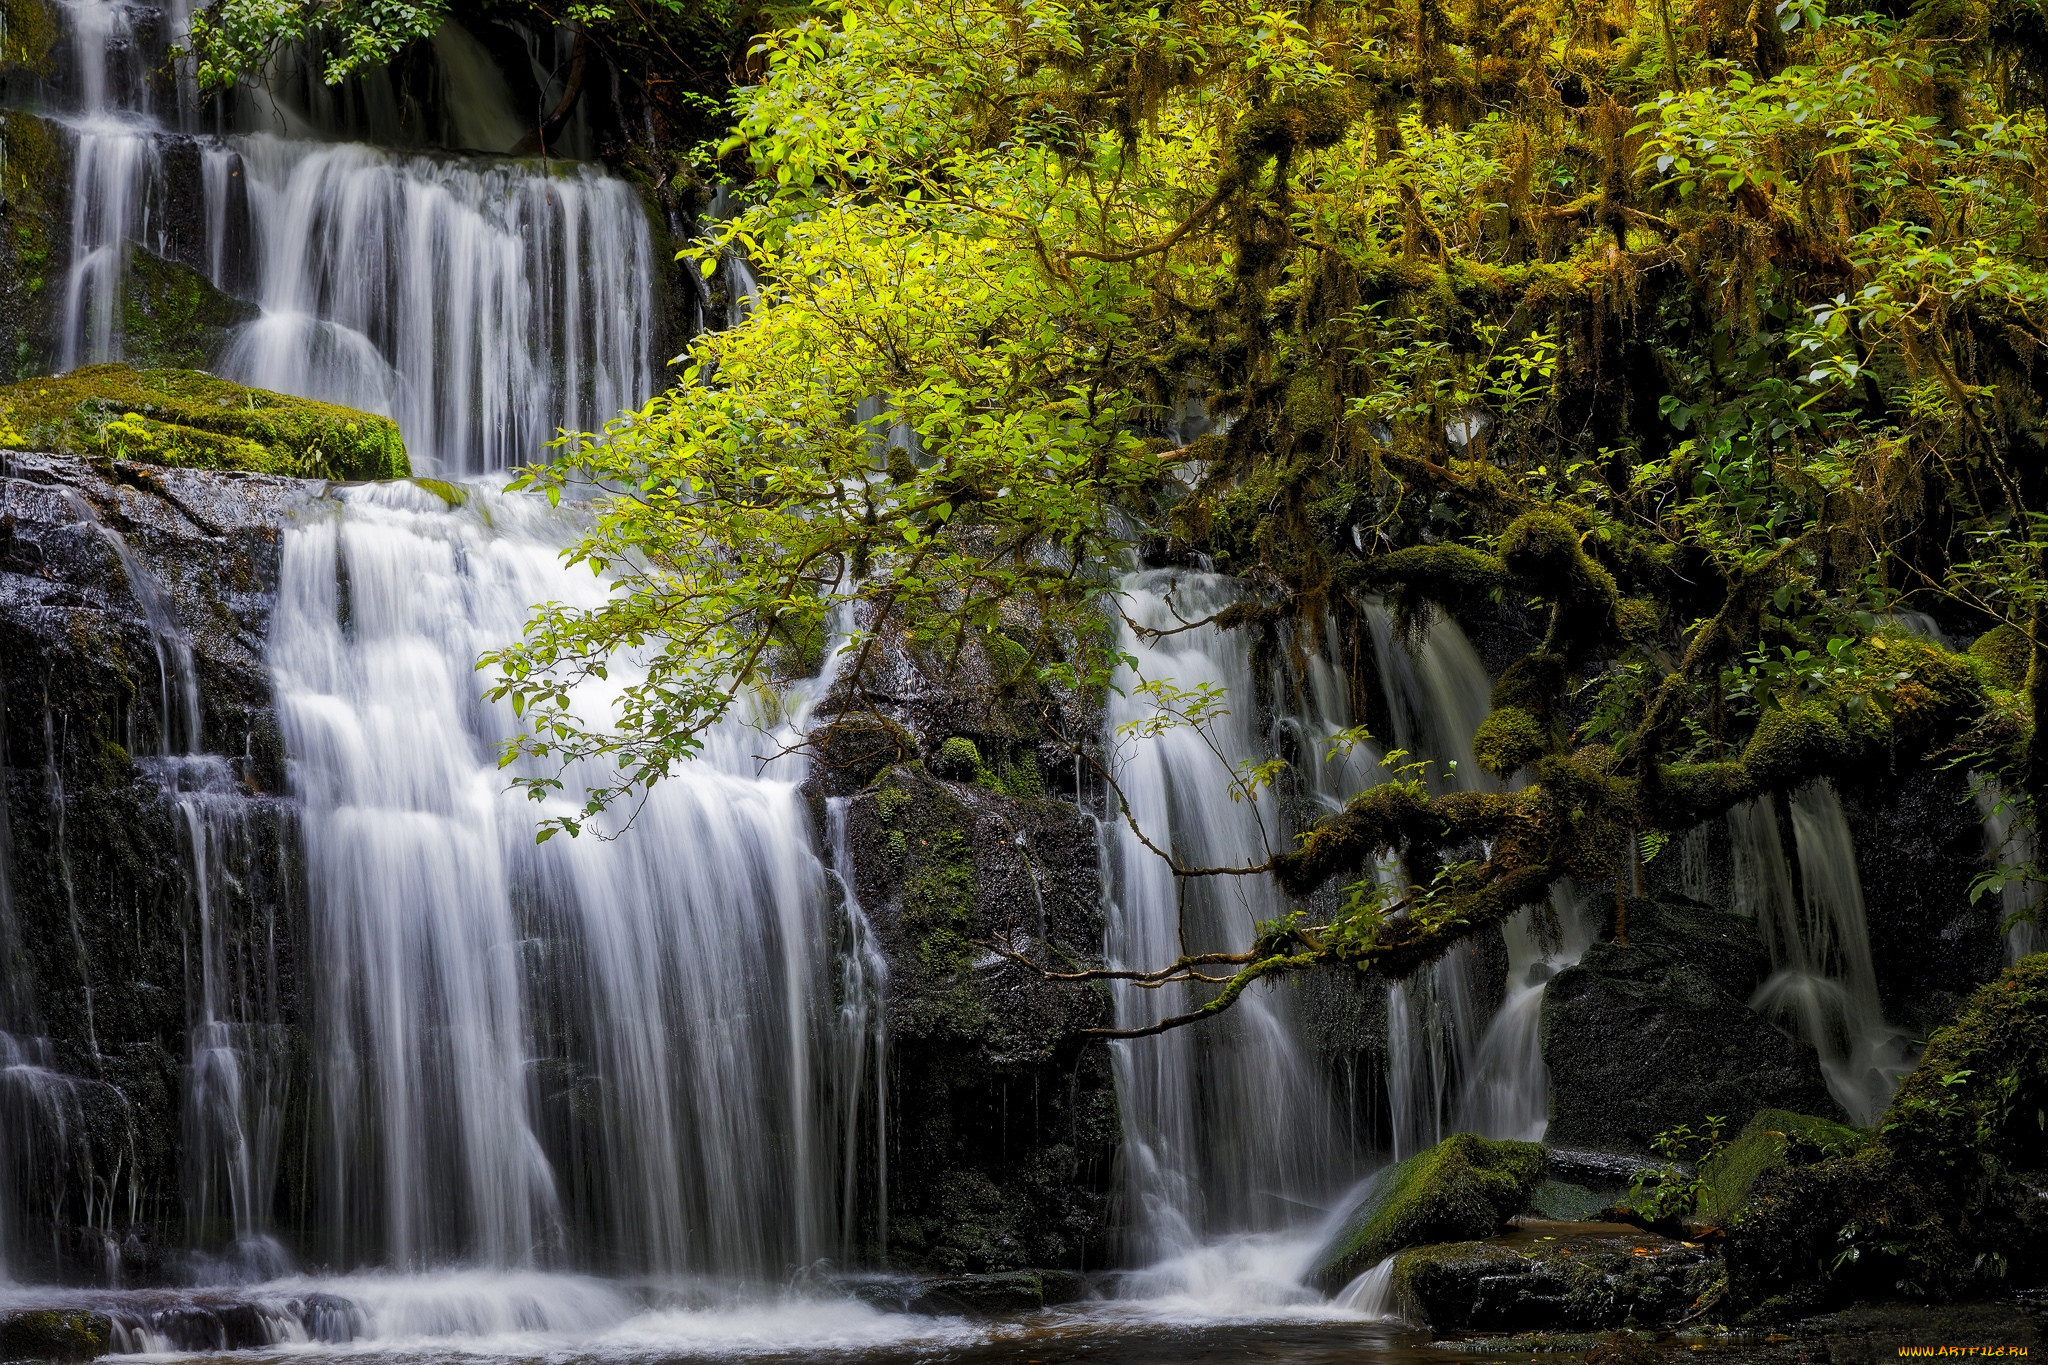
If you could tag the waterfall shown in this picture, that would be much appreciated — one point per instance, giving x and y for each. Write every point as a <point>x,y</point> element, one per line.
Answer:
<point>1227,1128</point>
<point>863,1045</point>
<point>598,1049</point>
<point>483,303</point>
<point>1823,982</point>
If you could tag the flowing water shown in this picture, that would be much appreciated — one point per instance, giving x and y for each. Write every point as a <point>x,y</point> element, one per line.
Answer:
<point>627,1096</point>
<point>1823,985</point>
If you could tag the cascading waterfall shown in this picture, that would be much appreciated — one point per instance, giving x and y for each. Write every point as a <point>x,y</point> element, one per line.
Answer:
<point>592,1049</point>
<point>1823,982</point>
<point>2009,842</point>
<point>483,303</point>
<point>1202,1155</point>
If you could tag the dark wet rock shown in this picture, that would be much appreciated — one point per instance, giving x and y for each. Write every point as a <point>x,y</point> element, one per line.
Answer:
<point>1552,1277</point>
<point>1003,1127</point>
<point>1010,1291</point>
<point>1919,845</point>
<point>1645,1037</point>
<point>104,922</point>
<point>35,209</point>
<point>1465,1186</point>
<point>54,1334</point>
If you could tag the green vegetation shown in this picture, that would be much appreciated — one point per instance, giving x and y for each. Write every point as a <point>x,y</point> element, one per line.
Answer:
<point>1462,1188</point>
<point>191,419</point>
<point>1943,1201</point>
<point>1699,341</point>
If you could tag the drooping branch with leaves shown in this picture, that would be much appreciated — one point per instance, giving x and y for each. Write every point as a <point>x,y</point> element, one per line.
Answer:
<point>1699,340</point>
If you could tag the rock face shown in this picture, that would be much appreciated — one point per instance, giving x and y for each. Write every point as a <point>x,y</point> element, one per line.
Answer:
<point>1552,1277</point>
<point>1919,845</point>
<point>1463,1187</point>
<point>108,577</point>
<point>1004,1127</point>
<point>1645,1037</point>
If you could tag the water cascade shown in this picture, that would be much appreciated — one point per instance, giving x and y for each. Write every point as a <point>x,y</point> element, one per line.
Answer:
<point>1823,983</point>
<point>1202,1155</point>
<point>484,303</point>
<point>598,1049</point>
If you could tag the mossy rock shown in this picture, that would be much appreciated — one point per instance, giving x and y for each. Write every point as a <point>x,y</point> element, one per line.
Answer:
<point>2007,655</point>
<point>54,1334</point>
<point>958,760</point>
<point>172,316</point>
<point>191,419</point>
<point>1464,1187</point>
<point>1508,740</point>
<point>1770,1141</point>
<point>32,34</point>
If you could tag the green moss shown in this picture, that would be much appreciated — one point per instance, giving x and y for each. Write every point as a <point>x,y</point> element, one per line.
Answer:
<point>191,419</point>
<point>54,1334</point>
<point>958,760</point>
<point>1542,549</point>
<point>171,316</point>
<point>1793,744</point>
<point>1508,740</point>
<point>1638,619</point>
<point>1464,1187</point>
<point>1772,1140</point>
<point>31,33</point>
<point>2007,655</point>
<point>1450,574</point>
<point>1533,683</point>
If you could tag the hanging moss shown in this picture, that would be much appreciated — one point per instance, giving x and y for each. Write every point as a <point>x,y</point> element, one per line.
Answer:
<point>1508,740</point>
<point>958,760</point>
<point>189,418</point>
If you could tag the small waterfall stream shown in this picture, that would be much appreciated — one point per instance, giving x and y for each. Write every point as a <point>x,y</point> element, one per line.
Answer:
<point>483,302</point>
<point>596,1049</point>
<point>1823,984</point>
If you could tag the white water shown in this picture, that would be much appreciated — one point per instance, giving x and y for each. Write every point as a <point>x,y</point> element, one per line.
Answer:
<point>483,303</point>
<point>2009,842</point>
<point>1823,983</point>
<point>600,1042</point>
<point>1202,1155</point>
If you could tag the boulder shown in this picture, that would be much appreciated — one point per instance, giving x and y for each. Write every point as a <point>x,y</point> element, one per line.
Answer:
<point>1552,1277</point>
<point>1643,1037</point>
<point>1464,1187</point>
<point>190,419</point>
<point>1950,1197</point>
<point>54,1334</point>
<point>1772,1140</point>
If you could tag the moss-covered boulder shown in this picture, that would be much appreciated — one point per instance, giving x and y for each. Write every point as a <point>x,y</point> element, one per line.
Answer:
<point>1772,1140</point>
<point>172,316</point>
<point>191,419</point>
<point>54,1334</point>
<point>1951,1197</point>
<point>1551,1278</point>
<point>1465,1187</point>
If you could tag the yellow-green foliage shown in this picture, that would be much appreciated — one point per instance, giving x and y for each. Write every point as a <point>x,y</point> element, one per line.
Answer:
<point>2007,655</point>
<point>191,419</point>
<point>1507,740</point>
